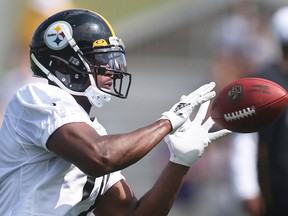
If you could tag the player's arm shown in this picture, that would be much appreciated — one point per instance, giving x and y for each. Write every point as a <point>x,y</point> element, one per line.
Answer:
<point>160,198</point>
<point>96,155</point>
<point>157,201</point>
<point>186,145</point>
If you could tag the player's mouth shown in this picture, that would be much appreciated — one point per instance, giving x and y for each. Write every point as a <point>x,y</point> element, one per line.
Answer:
<point>107,85</point>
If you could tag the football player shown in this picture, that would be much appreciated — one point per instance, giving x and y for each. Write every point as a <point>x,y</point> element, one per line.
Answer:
<point>55,160</point>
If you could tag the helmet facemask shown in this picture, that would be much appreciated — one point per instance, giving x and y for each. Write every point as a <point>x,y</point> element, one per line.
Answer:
<point>111,63</point>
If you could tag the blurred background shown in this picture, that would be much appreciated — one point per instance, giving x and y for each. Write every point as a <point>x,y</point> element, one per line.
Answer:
<point>172,48</point>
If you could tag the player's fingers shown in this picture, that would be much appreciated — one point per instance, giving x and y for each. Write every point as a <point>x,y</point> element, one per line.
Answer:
<point>218,134</point>
<point>201,112</point>
<point>206,97</point>
<point>200,99</point>
<point>202,90</point>
<point>208,124</point>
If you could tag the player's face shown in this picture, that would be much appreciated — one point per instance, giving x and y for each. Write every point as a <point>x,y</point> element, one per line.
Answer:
<point>110,72</point>
<point>105,81</point>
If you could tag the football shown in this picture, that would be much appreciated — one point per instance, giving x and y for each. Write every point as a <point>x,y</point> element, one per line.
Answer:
<point>248,104</point>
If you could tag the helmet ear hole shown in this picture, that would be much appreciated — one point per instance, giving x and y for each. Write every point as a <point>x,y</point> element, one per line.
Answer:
<point>70,76</point>
<point>60,64</point>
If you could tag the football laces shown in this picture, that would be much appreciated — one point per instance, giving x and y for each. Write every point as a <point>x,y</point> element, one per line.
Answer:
<point>240,114</point>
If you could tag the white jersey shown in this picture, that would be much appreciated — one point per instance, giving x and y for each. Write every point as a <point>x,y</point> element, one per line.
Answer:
<point>34,180</point>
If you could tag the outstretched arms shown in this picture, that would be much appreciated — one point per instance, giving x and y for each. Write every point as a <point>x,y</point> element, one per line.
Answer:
<point>97,155</point>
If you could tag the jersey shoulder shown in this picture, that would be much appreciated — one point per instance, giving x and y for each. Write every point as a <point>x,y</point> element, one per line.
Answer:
<point>42,93</point>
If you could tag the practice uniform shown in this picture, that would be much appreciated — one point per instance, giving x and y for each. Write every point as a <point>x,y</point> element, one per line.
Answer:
<point>34,180</point>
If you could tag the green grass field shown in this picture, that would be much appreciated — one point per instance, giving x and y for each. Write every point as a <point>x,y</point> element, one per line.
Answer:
<point>114,10</point>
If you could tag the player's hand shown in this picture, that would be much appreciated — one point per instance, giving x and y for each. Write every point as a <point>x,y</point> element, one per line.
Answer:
<point>181,111</point>
<point>187,144</point>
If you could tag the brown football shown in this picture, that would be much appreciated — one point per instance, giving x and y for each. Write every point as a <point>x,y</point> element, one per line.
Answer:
<point>248,104</point>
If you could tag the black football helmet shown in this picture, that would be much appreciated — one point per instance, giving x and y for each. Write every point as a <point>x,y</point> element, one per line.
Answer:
<point>72,47</point>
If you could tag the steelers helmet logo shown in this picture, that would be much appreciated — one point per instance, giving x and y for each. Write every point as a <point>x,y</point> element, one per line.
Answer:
<point>56,35</point>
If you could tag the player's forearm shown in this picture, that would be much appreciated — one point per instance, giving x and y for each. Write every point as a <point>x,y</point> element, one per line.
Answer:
<point>97,155</point>
<point>159,200</point>
<point>120,151</point>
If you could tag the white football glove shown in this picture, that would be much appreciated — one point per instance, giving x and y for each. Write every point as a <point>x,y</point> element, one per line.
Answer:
<point>187,144</point>
<point>181,111</point>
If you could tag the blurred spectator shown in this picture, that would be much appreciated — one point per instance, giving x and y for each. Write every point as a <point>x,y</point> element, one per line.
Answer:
<point>241,42</point>
<point>264,191</point>
<point>33,13</point>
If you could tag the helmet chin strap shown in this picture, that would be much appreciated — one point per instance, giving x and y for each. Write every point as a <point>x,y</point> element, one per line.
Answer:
<point>95,96</point>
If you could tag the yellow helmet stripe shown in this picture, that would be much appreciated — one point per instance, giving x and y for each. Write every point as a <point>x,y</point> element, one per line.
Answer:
<point>108,24</point>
